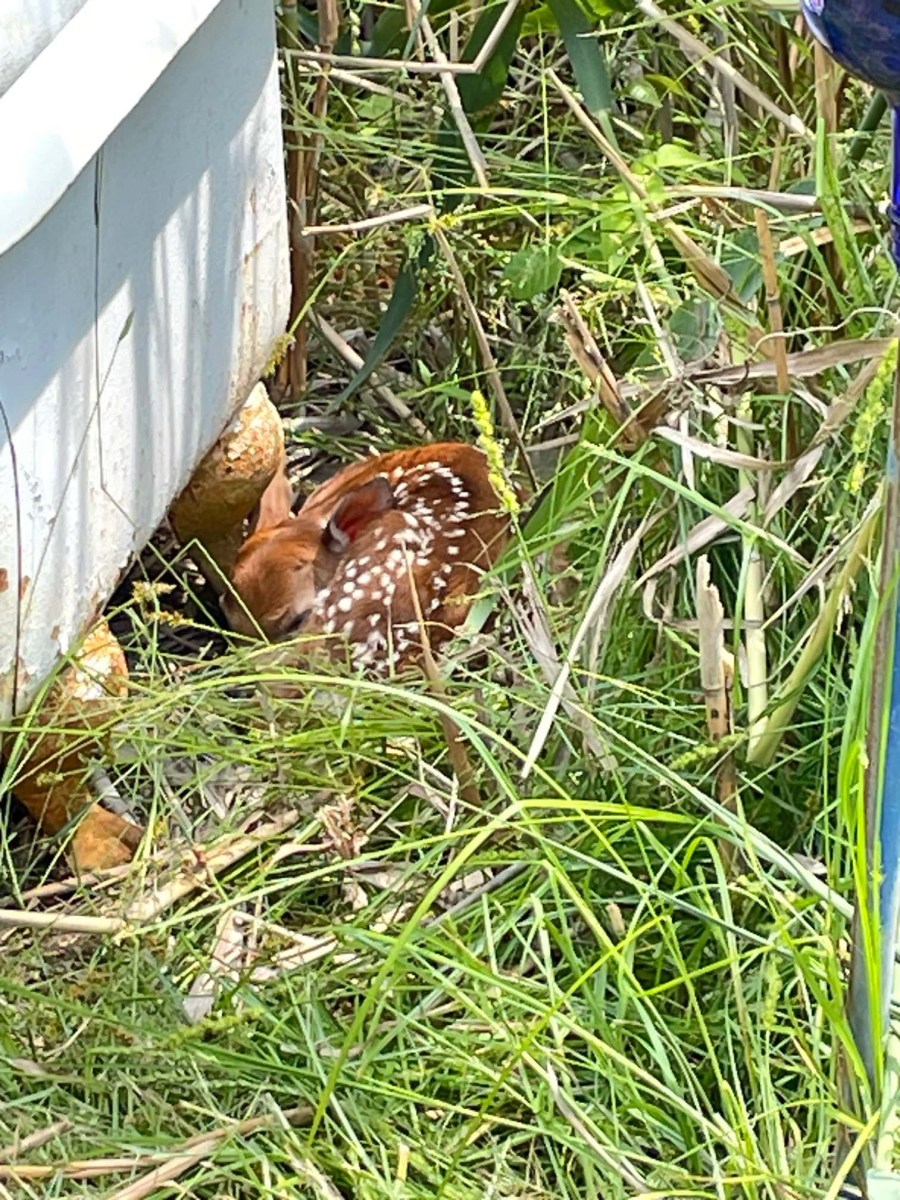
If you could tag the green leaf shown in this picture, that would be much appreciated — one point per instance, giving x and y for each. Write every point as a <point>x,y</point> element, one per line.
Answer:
<point>539,21</point>
<point>398,309</point>
<point>674,156</point>
<point>608,8</point>
<point>532,270</point>
<point>666,83</point>
<point>588,60</point>
<point>694,328</point>
<point>740,258</point>
<point>387,32</point>
<point>309,25</point>
<point>643,92</point>
<point>390,32</point>
<point>481,91</point>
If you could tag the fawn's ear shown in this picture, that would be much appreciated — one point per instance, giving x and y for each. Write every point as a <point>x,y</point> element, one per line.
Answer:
<point>275,504</point>
<point>355,511</point>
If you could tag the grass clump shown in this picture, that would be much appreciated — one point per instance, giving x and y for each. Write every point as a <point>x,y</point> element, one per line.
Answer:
<point>563,991</point>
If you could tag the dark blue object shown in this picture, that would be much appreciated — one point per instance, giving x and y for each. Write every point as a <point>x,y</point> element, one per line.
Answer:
<point>864,37</point>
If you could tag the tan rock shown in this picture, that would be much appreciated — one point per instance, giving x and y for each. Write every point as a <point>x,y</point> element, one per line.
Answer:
<point>228,483</point>
<point>49,770</point>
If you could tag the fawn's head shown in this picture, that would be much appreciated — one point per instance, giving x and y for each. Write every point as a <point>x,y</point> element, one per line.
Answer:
<point>287,561</point>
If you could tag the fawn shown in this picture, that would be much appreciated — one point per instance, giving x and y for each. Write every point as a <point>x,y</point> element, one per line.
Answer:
<point>411,525</point>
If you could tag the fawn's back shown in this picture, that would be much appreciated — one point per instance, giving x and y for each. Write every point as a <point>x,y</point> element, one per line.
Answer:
<point>382,543</point>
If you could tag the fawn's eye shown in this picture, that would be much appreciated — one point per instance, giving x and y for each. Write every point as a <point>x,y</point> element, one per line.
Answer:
<point>296,623</point>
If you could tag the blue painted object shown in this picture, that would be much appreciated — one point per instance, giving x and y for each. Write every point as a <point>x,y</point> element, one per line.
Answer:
<point>864,37</point>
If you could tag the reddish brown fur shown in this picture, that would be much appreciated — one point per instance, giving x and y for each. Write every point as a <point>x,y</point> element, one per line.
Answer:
<point>309,562</point>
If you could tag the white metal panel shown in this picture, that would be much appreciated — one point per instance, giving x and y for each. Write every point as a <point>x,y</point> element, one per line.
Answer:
<point>61,110</point>
<point>26,27</point>
<point>134,319</point>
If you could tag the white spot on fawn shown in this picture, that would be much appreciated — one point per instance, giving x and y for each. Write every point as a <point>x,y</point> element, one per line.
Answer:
<point>376,641</point>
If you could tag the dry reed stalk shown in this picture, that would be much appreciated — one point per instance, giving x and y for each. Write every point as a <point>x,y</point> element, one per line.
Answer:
<point>783,56</point>
<point>302,167</point>
<point>168,1165</point>
<point>15,918</point>
<point>828,77</point>
<point>587,354</point>
<point>773,302</point>
<point>289,40</point>
<point>827,84</point>
<point>753,624</point>
<point>367,66</point>
<point>34,1141</point>
<point>415,213</point>
<point>753,614</point>
<point>216,858</point>
<point>716,675</point>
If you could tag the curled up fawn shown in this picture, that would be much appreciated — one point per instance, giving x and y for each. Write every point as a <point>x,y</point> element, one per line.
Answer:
<point>383,542</point>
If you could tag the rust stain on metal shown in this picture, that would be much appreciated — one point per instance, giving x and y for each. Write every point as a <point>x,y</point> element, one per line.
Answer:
<point>23,586</point>
<point>254,250</point>
<point>4,579</point>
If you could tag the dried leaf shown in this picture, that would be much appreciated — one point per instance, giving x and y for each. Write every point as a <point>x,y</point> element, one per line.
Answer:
<point>225,962</point>
<point>716,454</point>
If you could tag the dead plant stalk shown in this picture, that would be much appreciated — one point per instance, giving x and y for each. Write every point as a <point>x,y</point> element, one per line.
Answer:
<point>716,675</point>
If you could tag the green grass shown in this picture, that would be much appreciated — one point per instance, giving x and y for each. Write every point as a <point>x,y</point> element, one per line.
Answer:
<point>602,1010</point>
